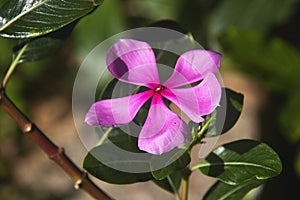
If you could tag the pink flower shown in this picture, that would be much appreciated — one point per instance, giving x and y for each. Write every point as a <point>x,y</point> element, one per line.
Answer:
<point>134,62</point>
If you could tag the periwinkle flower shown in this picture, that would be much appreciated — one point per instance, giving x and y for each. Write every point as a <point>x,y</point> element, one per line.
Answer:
<point>134,62</point>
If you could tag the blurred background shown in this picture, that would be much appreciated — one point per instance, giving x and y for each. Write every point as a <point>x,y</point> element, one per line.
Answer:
<point>260,44</point>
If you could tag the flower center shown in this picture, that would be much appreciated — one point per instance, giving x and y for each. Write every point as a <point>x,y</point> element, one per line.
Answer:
<point>159,88</point>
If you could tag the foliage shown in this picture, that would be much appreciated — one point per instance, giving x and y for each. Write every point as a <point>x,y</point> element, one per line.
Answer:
<point>42,26</point>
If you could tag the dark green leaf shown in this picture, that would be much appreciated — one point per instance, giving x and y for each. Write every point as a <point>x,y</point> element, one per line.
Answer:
<point>222,191</point>
<point>118,160</point>
<point>174,180</point>
<point>43,46</point>
<point>32,18</point>
<point>227,114</point>
<point>163,165</point>
<point>123,140</point>
<point>105,92</point>
<point>240,161</point>
<point>141,116</point>
<point>113,165</point>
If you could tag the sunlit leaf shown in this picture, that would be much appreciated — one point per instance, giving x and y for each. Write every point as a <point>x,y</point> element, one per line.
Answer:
<point>223,191</point>
<point>32,18</point>
<point>240,161</point>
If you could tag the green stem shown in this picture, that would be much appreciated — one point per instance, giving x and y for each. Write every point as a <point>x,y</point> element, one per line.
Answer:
<point>198,136</point>
<point>205,126</point>
<point>185,183</point>
<point>176,194</point>
<point>13,65</point>
<point>185,189</point>
<point>104,136</point>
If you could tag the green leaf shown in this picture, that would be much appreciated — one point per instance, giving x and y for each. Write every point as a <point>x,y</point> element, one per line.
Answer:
<point>32,18</point>
<point>118,160</point>
<point>223,191</point>
<point>105,92</point>
<point>123,140</point>
<point>171,183</point>
<point>42,46</point>
<point>107,164</point>
<point>240,161</point>
<point>165,164</point>
<point>227,114</point>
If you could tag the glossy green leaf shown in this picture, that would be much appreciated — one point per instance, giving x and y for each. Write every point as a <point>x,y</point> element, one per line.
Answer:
<point>118,160</point>
<point>32,18</point>
<point>240,161</point>
<point>42,46</point>
<point>227,114</point>
<point>165,164</point>
<point>107,166</point>
<point>114,159</point>
<point>222,191</point>
<point>171,183</point>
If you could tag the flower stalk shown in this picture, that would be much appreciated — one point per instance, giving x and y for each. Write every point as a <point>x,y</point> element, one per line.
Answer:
<point>55,153</point>
<point>13,66</point>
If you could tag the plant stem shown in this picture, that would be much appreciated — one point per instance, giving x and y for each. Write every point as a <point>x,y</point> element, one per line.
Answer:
<point>104,136</point>
<point>185,183</point>
<point>13,66</point>
<point>57,154</point>
<point>176,194</point>
<point>201,134</point>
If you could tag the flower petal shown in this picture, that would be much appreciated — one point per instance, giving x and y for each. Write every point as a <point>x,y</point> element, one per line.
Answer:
<point>199,100</point>
<point>192,66</point>
<point>163,129</point>
<point>116,111</point>
<point>132,61</point>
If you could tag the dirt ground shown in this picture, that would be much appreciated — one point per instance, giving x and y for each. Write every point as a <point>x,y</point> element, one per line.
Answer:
<point>37,172</point>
